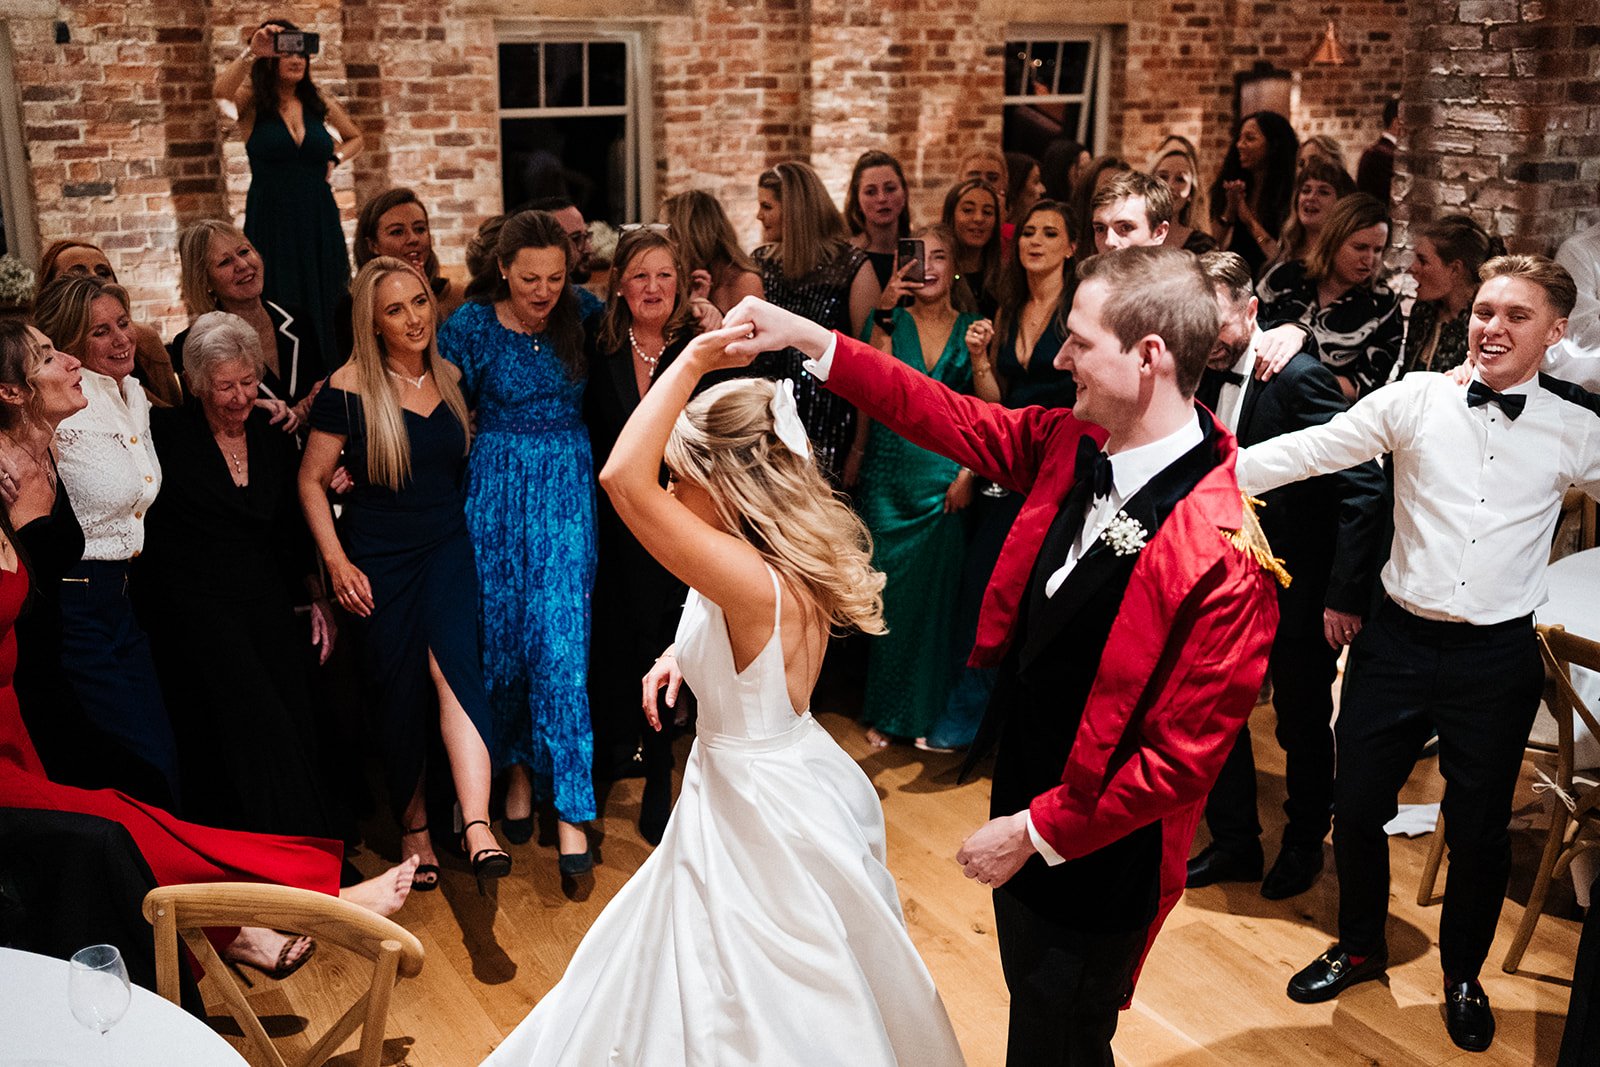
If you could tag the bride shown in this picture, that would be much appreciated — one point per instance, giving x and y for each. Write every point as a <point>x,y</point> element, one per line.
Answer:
<point>765,929</point>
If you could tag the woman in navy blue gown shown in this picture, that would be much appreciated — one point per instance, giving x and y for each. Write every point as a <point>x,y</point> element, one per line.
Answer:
<point>405,562</point>
<point>289,213</point>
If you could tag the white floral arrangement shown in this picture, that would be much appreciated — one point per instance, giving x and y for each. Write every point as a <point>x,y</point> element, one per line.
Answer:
<point>16,282</point>
<point>603,238</point>
<point>1125,535</point>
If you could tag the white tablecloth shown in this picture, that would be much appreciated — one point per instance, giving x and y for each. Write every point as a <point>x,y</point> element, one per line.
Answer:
<point>37,1027</point>
<point>1575,603</point>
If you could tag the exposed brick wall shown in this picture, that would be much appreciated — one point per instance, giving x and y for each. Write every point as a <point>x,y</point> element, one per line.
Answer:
<point>127,146</point>
<point>1503,101</point>
<point>1180,61</point>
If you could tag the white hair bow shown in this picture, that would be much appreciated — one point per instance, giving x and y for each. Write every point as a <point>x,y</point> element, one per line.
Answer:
<point>786,419</point>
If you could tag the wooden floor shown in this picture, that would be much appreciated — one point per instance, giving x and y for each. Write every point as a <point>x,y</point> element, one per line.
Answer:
<point>1211,995</point>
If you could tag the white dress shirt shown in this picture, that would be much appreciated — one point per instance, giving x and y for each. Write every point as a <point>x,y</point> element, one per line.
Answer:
<point>1131,470</point>
<point>109,467</point>
<point>1580,254</point>
<point>1230,401</point>
<point>1477,495</point>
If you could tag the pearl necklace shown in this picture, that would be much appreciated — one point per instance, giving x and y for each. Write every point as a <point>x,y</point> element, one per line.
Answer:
<point>415,383</point>
<point>638,350</point>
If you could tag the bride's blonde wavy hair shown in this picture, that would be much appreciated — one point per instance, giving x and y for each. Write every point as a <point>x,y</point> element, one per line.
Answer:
<point>778,501</point>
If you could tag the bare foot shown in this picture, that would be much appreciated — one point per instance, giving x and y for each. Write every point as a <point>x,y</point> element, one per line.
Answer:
<point>264,949</point>
<point>385,893</point>
<point>876,739</point>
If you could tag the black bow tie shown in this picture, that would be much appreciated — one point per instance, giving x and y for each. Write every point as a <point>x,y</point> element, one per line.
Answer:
<point>1093,467</point>
<point>1211,383</point>
<point>1512,404</point>
<point>1231,377</point>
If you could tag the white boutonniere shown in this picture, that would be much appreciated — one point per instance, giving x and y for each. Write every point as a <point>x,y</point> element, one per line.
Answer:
<point>1125,535</point>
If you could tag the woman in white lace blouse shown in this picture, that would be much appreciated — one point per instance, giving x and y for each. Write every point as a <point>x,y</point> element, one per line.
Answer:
<point>108,467</point>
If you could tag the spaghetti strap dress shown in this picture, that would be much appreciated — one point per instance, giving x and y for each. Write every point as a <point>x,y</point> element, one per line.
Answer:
<point>291,218</point>
<point>413,547</point>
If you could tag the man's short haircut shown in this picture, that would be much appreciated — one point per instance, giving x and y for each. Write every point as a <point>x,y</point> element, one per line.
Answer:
<point>1542,271</point>
<point>1162,291</point>
<point>1391,111</point>
<point>1229,272</point>
<point>1126,183</point>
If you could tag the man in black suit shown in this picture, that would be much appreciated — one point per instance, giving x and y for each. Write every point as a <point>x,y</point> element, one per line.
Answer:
<point>1375,171</point>
<point>1329,533</point>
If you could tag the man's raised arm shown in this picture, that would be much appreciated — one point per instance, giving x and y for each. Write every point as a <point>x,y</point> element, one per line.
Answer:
<point>997,443</point>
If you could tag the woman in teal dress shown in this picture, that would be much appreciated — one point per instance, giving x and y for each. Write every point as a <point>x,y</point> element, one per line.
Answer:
<point>530,508</point>
<point>911,500</point>
<point>289,212</point>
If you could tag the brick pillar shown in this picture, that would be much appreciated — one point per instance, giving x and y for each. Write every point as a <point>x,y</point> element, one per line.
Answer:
<point>1503,108</point>
<point>732,98</point>
<point>121,136</point>
<point>422,89</point>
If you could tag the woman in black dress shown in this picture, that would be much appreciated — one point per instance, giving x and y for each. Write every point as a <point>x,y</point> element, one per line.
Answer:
<point>404,562</point>
<point>875,209</point>
<point>1445,261</point>
<point>972,210</point>
<point>1252,194</point>
<point>227,559</point>
<point>636,601</point>
<point>810,267</point>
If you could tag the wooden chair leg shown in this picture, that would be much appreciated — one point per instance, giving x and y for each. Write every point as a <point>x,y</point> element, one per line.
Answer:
<point>1553,844</point>
<point>166,935</point>
<point>384,970</point>
<point>1430,869</point>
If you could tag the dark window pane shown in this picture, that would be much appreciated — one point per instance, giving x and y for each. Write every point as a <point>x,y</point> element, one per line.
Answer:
<point>608,74</point>
<point>1074,66</point>
<point>1042,68</point>
<point>563,75</point>
<point>1016,58</point>
<point>519,75</point>
<point>584,159</point>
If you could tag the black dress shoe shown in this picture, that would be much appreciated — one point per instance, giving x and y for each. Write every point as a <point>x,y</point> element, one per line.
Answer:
<point>1293,872</point>
<point>1213,865</point>
<point>1467,1016</point>
<point>1332,973</point>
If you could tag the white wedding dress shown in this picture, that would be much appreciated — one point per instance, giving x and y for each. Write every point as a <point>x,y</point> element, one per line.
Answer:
<point>765,930</point>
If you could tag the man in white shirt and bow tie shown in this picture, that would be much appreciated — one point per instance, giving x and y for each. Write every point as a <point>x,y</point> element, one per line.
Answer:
<point>1479,476</point>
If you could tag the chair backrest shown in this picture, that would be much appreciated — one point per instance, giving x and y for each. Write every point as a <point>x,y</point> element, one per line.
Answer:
<point>187,910</point>
<point>1561,652</point>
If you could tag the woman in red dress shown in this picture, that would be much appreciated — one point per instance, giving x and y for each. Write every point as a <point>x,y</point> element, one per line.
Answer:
<point>39,386</point>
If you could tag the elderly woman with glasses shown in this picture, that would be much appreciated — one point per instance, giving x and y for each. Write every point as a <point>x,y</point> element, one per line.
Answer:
<point>227,561</point>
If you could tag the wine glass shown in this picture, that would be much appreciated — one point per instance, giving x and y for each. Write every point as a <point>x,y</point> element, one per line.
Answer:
<point>97,990</point>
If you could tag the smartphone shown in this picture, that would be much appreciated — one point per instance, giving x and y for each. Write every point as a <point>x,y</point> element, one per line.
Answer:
<point>912,251</point>
<point>297,43</point>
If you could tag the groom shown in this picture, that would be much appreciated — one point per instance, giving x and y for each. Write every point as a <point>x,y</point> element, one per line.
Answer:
<point>1130,615</point>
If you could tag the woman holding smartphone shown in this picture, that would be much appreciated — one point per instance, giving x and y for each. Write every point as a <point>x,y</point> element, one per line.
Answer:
<point>912,500</point>
<point>289,213</point>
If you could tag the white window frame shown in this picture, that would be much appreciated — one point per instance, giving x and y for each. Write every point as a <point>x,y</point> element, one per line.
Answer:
<point>1097,84</point>
<point>639,181</point>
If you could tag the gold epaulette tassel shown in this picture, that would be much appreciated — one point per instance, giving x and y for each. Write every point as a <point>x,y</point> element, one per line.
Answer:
<point>1252,541</point>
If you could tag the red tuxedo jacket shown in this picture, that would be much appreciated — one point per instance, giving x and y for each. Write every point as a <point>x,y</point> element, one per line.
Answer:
<point>1186,655</point>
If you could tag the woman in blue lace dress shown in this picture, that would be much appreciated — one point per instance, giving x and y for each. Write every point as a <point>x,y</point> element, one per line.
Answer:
<point>530,507</point>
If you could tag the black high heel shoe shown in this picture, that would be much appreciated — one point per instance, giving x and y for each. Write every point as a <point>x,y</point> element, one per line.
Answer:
<point>426,877</point>
<point>487,863</point>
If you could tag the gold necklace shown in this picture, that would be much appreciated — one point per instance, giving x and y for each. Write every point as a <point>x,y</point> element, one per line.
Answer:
<point>46,469</point>
<point>533,333</point>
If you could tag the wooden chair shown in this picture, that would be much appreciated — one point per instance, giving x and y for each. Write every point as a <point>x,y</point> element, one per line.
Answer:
<point>1564,841</point>
<point>186,910</point>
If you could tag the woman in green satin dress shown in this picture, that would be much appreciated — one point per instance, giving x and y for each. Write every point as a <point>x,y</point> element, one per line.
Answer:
<point>911,500</point>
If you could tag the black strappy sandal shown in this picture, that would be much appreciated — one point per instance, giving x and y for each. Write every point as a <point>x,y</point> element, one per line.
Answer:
<point>487,863</point>
<point>425,878</point>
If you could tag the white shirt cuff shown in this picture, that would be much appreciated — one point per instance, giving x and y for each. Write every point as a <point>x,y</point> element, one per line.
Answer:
<point>1051,856</point>
<point>818,368</point>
